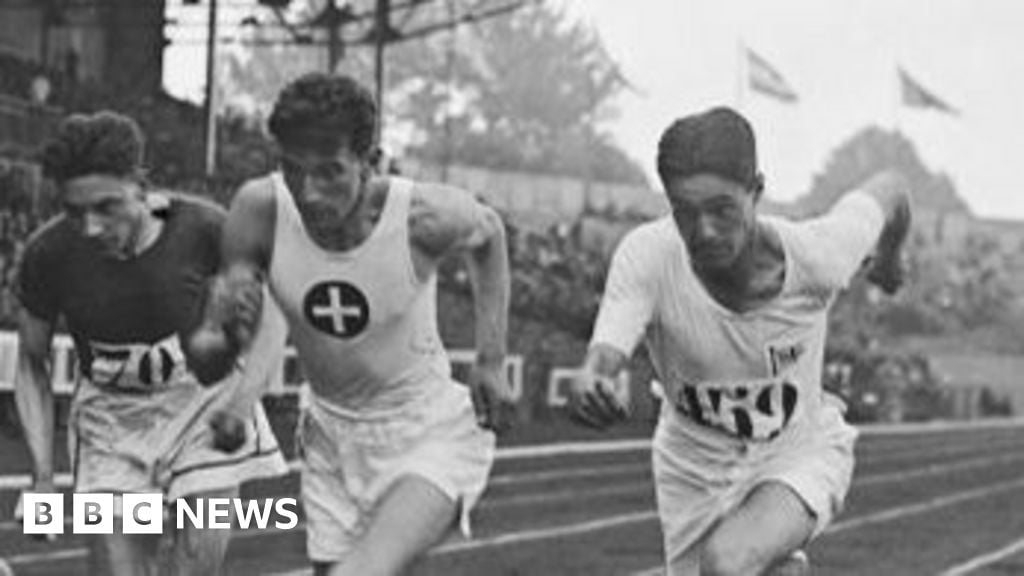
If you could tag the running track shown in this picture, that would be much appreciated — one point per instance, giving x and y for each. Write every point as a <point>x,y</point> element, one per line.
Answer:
<point>946,500</point>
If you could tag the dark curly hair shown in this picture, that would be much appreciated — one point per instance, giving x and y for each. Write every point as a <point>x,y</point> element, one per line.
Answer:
<point>719,141</point>
<point>322,110</point>
<point>102,143</point>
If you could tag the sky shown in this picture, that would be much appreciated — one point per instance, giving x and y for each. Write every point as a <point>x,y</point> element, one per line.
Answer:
<point>840,56</point>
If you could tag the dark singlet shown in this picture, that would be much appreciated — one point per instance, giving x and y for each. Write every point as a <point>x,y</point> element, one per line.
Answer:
<point>126,317</point>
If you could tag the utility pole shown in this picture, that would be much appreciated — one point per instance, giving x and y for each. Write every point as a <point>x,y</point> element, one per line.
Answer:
<point>334,17</point>
<point>331,20</point>
<point>449,70</point>
<point>381,36</point>
<point>209,101</point>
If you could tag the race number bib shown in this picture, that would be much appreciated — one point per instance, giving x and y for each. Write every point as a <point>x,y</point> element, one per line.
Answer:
<point>137,367</point>
<point>756,410</point>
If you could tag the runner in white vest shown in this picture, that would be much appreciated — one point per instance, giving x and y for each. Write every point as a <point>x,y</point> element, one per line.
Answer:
<point>393,455</point>
<point>751,457</point>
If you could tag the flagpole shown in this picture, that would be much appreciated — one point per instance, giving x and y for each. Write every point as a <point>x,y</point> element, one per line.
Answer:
<point>741,75</point>
<point>897,99</point>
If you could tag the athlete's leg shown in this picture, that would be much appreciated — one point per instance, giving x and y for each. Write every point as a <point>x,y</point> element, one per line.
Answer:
<point>201,552</point>
<point>413,516</point>
<point>127,555</point>
<point>770,524</point>
<point>687,512</point>
<point>689,504</point>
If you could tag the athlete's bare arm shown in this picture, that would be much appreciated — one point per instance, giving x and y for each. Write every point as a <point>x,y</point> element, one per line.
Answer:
<point>627,307</point>
<point>234,299</point>
<point>445,221</point>
<point>34,395</point>
<point>604,361</point>
<point>890,190</point>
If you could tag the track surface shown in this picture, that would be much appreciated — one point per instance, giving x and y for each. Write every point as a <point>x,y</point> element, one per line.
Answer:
<point>930,500</point>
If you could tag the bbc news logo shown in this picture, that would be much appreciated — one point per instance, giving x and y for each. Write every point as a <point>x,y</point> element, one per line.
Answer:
<point>97,513</point>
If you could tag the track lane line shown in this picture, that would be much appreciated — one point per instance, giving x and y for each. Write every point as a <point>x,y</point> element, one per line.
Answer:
<point>986,559</point>
<point>598,524</point>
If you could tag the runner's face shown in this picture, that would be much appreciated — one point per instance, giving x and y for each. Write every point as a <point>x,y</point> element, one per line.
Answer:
<point>107,211</point>
<point>715,217</point>
<point>326,184</point>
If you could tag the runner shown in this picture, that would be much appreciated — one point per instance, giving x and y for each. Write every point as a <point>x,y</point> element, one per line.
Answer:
<point>751,458</point>
<point>392,453</point>
<point>125,269</point>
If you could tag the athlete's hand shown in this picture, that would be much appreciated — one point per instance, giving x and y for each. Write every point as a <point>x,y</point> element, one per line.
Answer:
<point>888,272</point>
<point>236,299</point>
<point>231,317</point>
<point>592,400</point>
<point>492,396</point>
<point>245,289</point>
<point>887,268</point>
<point>228,431</point>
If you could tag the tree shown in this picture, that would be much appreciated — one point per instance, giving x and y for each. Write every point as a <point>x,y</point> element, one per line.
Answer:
<point>874,150</point>
<point>250,75</point>
<point>527,91</point>
<point>955,284</point>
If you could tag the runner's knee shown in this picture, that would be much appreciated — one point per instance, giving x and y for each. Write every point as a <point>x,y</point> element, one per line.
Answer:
<point>375,562</point>
<point>720,556</point>
<point>199,552</point>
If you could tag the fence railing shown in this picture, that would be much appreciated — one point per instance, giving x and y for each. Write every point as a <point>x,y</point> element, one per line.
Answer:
<point>288,382</point>
<point>558,386</point>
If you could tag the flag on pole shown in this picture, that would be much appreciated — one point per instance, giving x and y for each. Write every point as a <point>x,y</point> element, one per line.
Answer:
<point>764,78</point>
<point>914,95</point>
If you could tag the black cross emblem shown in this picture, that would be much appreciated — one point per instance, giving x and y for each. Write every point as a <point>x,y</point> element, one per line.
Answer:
<point>337,308</point>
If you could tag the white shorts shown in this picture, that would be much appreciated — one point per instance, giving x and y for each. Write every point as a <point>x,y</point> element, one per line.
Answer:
<point>701,476</point>
<point>350,461</point>
<point>161,442</point>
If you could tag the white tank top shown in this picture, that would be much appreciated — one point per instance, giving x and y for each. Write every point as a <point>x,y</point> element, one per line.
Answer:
<point>364,325</point>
